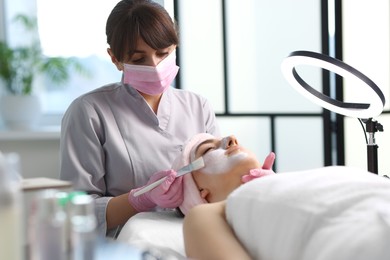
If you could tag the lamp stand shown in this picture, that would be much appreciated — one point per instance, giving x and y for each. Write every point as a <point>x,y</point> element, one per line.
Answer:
<point>372,127</point>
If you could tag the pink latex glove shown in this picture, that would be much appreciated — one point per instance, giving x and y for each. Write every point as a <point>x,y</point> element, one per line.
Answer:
<point>168,194</point>
<point>266,169</point>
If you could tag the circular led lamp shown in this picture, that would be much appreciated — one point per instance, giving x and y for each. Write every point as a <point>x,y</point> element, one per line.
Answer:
<point>375,97</point>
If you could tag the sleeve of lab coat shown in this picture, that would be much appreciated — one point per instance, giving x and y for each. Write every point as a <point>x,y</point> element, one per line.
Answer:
<point>82,155</point>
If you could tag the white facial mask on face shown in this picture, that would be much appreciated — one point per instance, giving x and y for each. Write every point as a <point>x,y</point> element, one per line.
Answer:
<point>217,162</point>
<point>151,80</point>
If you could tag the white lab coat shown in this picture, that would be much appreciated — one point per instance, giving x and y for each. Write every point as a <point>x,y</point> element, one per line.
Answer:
<point>112,142</point>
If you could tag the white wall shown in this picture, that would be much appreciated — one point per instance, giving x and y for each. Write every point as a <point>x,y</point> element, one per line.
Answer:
<point>39,157</point>
<point>366,41</point>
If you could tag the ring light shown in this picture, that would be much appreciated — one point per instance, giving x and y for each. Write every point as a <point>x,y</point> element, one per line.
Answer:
<point>375,97</point>
<point>360,110</point>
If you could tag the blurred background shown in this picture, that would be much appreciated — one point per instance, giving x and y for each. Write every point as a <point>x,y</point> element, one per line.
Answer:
<point>230,52</point>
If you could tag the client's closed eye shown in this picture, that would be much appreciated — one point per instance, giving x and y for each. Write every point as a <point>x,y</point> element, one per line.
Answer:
<point>208,149</point>
<point>207,146</point>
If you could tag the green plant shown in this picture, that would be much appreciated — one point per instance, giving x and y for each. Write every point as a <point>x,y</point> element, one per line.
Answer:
<point>19,65</point>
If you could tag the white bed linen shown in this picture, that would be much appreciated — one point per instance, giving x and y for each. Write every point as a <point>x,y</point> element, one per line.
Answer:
<point>328,213</point>
<point>161,232</point>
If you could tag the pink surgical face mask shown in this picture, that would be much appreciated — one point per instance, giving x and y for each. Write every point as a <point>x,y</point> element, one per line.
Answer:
<point>151,80</point>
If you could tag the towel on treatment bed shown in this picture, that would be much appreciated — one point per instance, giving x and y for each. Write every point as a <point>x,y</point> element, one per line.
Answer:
<point>157,231</point>
<point>333,213</point>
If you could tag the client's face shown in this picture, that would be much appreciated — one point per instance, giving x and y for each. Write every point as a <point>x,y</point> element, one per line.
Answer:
<point>225,163</point>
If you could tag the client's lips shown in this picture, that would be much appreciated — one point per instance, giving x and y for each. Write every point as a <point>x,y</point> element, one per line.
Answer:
<point>233,150</point>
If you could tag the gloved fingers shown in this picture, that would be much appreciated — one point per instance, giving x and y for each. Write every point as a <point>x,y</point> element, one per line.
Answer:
<point>255,172</point>
<point>247,178</point>
<point>168,194</point>
<point>176,186</point>
<point>140,203</point>
<point>158,175</point>
<point>171,200</point>
<point>169,182</point>
<point>269,161</point>
<point>172,190</point>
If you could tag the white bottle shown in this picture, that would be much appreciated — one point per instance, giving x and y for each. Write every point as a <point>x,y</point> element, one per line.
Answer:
<point>11,219</point>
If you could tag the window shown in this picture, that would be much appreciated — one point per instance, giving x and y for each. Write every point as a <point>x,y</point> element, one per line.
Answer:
<point>70,28</point>
<point>76,28</point>
<point>231,54</point>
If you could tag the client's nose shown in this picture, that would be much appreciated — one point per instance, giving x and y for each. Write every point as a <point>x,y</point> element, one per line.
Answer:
<point>229,141</point>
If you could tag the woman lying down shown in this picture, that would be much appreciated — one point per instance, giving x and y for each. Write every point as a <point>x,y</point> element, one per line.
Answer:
<point>162,231</point>
<point>327,213</point>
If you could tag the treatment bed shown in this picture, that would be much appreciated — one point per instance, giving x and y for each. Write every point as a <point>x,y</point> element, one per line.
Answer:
<point>332,212</point>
